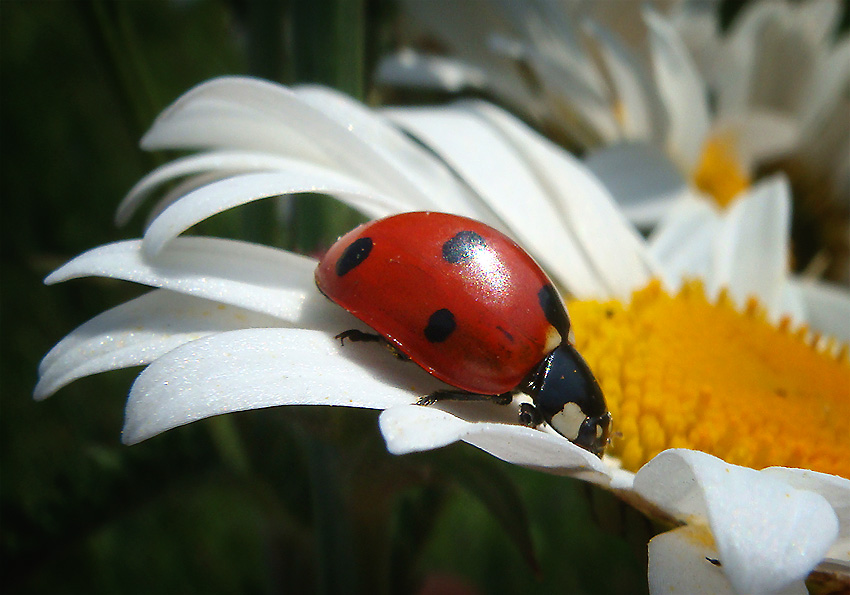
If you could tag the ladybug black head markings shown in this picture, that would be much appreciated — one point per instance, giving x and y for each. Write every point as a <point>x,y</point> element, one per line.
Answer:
<point>489,332</point>
<point>353,255</point>
<point>462,246</point>
<point>441,324</point>
<point>568,398</point>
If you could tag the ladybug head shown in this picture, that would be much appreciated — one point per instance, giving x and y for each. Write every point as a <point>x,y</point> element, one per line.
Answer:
<point>567,396</point>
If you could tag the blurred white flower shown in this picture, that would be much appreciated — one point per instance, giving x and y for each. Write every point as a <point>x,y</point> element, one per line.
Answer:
<point>665,104</point>
<point>233,325</point>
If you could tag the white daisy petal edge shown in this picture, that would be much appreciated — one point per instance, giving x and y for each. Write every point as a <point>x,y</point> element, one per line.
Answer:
<point>247,113</point>
<point>256,368</point>
<point>214,198</point>
<point>414,428</point>
<point>222,164</point>
<point>252,276</point>
<point>136,333</point>
<point>751,249</point>
<point>681,89</point>
<point>767,533</point>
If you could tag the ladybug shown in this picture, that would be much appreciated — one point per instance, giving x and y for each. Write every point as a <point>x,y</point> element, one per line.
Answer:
<point>471,307</point>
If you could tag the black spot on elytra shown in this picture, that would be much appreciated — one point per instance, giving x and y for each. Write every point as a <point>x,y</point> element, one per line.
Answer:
<point>553,309</point>
<point>462,246</point>
<point>441,324</point>
<point>356,253</point>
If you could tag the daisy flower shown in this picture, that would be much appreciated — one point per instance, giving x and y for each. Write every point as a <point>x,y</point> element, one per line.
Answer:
<point>687,371</point>
<point>683,109</point>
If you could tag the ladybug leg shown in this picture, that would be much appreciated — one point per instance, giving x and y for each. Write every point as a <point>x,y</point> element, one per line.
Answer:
<point>462,395</point>
<point>355,335</point>
<point>529,415</point>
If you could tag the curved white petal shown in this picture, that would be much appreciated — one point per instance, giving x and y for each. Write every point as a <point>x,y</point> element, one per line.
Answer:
<point>221,164</point>
<point>251,114</point>
<point>751,248</point>
<point>681,90</point>
<point>251,276</point>
<point>414,428</point>
<point>256,368</point>
<point>637,108</point>
<point>643,180</point>
<point>790,48</point>
<point>767,533</point>
<point>214,198</point>
<point>437,186</point>
<point>836,491</point>
<point>136,333</point>
<point>737,60</point>
<point>825,90</point>
<point>680,564</point>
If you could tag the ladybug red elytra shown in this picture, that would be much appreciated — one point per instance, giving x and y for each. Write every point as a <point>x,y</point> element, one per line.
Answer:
<point>467,304</point>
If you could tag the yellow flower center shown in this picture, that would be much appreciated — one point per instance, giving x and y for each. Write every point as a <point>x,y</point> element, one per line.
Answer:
<point>683,371</point>
<point>719,172</point>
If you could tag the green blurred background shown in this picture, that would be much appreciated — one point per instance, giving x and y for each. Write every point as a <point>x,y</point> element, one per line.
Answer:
<point>285,500</point>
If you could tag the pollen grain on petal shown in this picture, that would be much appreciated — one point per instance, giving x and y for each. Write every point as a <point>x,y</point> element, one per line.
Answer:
<point>689,372</point>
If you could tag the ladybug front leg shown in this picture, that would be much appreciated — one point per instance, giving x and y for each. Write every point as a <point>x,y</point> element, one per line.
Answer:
<point>462,395</point>
<point>355,335</point>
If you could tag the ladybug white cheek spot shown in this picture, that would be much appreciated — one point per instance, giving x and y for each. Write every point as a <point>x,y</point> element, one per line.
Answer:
<point>553,339</point>
<point>568,421</point>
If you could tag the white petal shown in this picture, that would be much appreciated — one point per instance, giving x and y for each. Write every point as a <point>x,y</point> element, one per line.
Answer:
<point>637,106</point>
<point>836,490</point>
<point>413,428</point>
<point>256,368</point>
<point>825,90</point>
<point>642,179</point>
<point>219,196</point>
<point>758,136</point>
<point>221,163</point>
<point>259,278</point>
<point>827,308</point>
<point>684,239</point>
<point>751,248</point>
<point>233,113</point>
<point>679,564</point>
<point>437,187</point>
<point>781,84</point>
<point>409,68</point>
<point>681,89</point>
<point>136,333</point>
<point>768,534</point>
<point>246,113</point>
